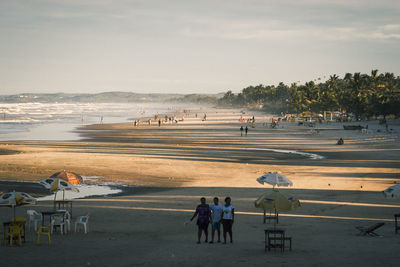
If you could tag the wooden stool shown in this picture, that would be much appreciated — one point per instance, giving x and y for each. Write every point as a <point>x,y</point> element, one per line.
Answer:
<point>271,217</point>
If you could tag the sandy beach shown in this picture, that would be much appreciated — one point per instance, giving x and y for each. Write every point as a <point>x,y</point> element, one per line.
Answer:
<point>167,169</point>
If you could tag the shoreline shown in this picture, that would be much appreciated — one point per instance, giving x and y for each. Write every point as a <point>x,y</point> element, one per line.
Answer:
<point>152,155</point>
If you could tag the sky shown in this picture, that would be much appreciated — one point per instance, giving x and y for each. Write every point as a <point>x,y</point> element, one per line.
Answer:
<point>208,46</point>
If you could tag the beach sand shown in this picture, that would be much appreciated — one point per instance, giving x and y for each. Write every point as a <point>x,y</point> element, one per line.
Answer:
<point>170,167</point>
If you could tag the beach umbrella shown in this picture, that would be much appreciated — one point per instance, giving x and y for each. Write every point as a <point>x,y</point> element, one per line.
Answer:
<point>392,192</point>
<point>71,177</point>
<point>56,184</point>
<point>13,199</point>
<point>276,201</point>
<point>274,179</point>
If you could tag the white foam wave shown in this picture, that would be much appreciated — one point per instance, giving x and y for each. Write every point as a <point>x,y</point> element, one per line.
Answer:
<point>306,154</point>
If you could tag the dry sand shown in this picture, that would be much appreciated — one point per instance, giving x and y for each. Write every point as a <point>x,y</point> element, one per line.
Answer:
<point>171,166</point>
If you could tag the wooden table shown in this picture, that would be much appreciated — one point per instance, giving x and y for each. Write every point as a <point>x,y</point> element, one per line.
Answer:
<point>275,238</point>
<point>6,225</point>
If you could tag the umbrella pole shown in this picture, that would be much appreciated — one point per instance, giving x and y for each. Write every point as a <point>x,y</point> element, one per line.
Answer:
<point>63,194</point>
<point>14,212</point>
<point>55,196</point>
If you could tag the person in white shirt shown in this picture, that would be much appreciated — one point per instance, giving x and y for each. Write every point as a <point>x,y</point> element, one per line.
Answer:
<point>216,215</point>
<point>228,216</point>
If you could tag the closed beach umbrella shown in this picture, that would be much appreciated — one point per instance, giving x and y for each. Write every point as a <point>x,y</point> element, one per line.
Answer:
<point>274,179</point>
<point>56,184</point>
<point>276,201</point>
<point>70,177</point>
<point>392,192</point>
<point>13,199</point>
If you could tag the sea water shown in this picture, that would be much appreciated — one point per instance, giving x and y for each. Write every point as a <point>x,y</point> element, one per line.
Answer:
<point>57,121</point>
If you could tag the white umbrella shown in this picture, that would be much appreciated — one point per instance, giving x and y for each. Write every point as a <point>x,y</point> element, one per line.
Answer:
<point>56,184</point>
<point>274,179</point>
<point>13,199</point>
<point>392,192</point>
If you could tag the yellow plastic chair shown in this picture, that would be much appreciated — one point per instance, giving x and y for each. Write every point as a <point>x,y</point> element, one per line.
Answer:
<point>21,220</point>
<point>14,230</point>
<point>44,230</point>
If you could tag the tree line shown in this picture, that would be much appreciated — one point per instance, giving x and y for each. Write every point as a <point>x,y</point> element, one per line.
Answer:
<point>361,94</point>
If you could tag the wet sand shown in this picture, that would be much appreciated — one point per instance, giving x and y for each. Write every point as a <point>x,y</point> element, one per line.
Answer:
<point>173,165</point>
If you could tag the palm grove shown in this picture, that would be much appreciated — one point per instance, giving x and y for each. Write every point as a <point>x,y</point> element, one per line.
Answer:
<point>361,94</point>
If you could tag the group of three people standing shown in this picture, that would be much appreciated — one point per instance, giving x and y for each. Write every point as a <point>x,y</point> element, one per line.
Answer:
<point>216,214</point>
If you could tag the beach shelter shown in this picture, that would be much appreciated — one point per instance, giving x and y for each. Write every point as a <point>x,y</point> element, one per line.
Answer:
<point>13,199</point>
<point>70,177</point>
<point>392,191</point>
<point>56,184</point>
<point>274,179</point>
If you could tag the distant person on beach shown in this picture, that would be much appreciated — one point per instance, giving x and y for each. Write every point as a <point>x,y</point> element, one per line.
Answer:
<point>241,130</point>
<point>216,215</point>
<point>228,216</point>
<point>101,120</point>
<point>159,123</point>
<point>205,117</point>
<point>203,212</point>
<point>246,130</point>
<point>340,141</point>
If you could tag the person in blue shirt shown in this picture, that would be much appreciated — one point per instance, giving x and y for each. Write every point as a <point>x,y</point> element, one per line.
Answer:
<point>216,219</point>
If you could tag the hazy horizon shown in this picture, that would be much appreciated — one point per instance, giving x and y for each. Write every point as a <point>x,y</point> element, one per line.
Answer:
<point>189,47</point>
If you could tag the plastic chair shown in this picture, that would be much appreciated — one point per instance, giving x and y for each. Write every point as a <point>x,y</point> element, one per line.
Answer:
<point>14,230</point>
<point>58,222</point>
<point>45,230</point>
<point>22,220</point>
<point>82,220</point>
<point>67,220</point>
<point>34,217</point>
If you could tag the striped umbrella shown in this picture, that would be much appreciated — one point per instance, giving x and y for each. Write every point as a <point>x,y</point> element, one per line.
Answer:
<point>13,199</point>
<point>56,184</point>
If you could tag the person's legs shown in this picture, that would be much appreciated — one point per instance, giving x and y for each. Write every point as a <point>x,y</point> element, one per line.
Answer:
<point>219,235</point>
<point>206,234</point>
<point>212,234</point>
<point>198,235</point>
<point>224,226</point>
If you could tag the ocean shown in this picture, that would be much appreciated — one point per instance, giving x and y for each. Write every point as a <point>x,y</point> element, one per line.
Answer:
<point>57,121</point>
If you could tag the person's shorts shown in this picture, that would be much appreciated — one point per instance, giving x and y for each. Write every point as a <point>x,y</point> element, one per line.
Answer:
<point>203,225</point>
<point>227,225</point>
<point>216,225</point>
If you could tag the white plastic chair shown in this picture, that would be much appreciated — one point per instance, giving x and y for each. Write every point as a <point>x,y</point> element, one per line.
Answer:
<point>67,220</point>
<point>82,220</point>
<point>34,217</point>
<point>58,222</point>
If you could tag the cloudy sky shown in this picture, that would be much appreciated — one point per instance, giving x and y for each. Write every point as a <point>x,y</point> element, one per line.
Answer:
<point>190,46</point>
